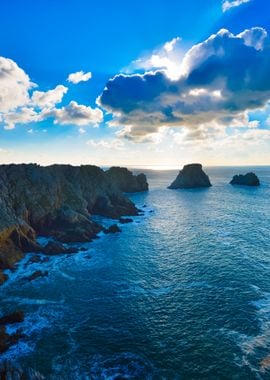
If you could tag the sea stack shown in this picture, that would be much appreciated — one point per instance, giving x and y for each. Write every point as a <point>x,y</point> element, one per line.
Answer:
<point>191,176</point>
<point>249,179</point>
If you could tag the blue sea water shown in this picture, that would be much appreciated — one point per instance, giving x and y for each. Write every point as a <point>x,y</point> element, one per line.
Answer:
<point>183,292</point>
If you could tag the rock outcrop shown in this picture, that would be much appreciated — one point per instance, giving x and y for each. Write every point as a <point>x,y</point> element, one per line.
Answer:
<point>191,176</point>
<point>57,201</point>
<point>127,182</point>
<point>249,179</point>
<point>12,371</point>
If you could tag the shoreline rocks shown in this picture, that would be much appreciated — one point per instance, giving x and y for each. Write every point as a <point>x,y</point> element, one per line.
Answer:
<point>190,177</point>
<point>58,201</point>
<point>249,179</point>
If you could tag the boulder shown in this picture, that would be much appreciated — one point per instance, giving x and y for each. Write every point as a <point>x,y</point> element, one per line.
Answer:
<point>7,340</point>
<point>249,179</point>
<point>112,229</point>
<point>15,317</point>
<point>55,248</point>
<point>191,176</point>
<point>125,220</point>
<point>37,274</point>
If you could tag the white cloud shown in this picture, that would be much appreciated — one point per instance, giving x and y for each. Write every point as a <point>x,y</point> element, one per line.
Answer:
<point>169,46</point>
<point>167,58</point>
<point>228,4</point>
<point>219,84</point>
<point>22,116</point>
<point>76,114</point>
<point>48,99</point>
<point>107,144</point>
<point>14,85</point>
<point>79,76</point>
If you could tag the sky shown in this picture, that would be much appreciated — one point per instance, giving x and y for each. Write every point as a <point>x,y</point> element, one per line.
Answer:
<point>154,84</point>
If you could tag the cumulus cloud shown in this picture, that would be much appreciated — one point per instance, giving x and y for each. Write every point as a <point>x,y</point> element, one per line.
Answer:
<point>228,4</point>
<point>14,85</point>
<point>23,116</point>
<point>48,99</point>
<point>76,114</point>
<point>19,104</point>
<point>219,83</point>
<point>79,76</point>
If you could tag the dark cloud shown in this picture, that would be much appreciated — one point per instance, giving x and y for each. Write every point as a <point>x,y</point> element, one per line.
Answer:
<point>221,78</point>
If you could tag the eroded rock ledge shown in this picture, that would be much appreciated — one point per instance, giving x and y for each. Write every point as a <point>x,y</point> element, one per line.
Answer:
<point>58,201</point>
<point>191,176</point>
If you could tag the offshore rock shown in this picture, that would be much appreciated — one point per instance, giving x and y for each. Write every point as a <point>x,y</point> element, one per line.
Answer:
<point>191,176</point>
<point>249,179</point>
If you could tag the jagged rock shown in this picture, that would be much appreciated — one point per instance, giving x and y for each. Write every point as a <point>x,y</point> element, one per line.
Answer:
<point>191,176</point>
<point>12,371</point>
<point>15,317</point>
<point>37,274</point>
<point>56,201</point>
<point>249,179</point>
<point>55,248</point>
<point>7,340</point>
<point>112,229</point>
<point>125,220</point>
<point>126,181</point>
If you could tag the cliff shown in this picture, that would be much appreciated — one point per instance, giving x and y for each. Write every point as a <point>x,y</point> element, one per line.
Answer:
<point>249,179</point>
<point>56,201</point>
<point>127,182</point>
<point>191,176</point>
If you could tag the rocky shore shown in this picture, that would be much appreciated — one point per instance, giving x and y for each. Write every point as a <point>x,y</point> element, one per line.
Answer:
<point>58,201</point>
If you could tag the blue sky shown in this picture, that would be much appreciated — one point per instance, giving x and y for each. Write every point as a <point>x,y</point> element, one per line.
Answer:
<point>46,117</point>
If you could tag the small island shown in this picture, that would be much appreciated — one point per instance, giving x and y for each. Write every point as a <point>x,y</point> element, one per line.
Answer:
<point>249,179</point>
<point>191,176</point>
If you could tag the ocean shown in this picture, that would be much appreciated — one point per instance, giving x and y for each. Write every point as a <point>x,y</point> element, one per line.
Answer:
<point>183,292</point>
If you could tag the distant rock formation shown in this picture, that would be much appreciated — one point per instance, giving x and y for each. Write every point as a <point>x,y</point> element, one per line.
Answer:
<point>127,182</point>
<point>249,179</point>
<point>58,201</point>
<point>191,176</point>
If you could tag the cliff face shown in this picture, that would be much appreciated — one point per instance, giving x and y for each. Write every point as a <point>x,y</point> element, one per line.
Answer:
<point>249,179</point>
<point>127,182</point>
<point>55,201</point>
<point>191,176</point>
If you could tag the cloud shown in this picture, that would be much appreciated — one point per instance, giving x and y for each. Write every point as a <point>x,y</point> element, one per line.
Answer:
<point>79,76</point>
<point>76,114</point>
<point>19,106</point>
<point>14,85</point>
<point>219,83</point>
<point>228,4</point>
<point>107,144</point>
<point>165,58</point>
<point>48,99</point>
<point>23,116</point>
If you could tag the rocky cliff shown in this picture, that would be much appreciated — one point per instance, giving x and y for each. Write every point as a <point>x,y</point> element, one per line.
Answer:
<point>57,201</point>
<point>249,179</point>
<point>127,182</point>
<point>191,176</point>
